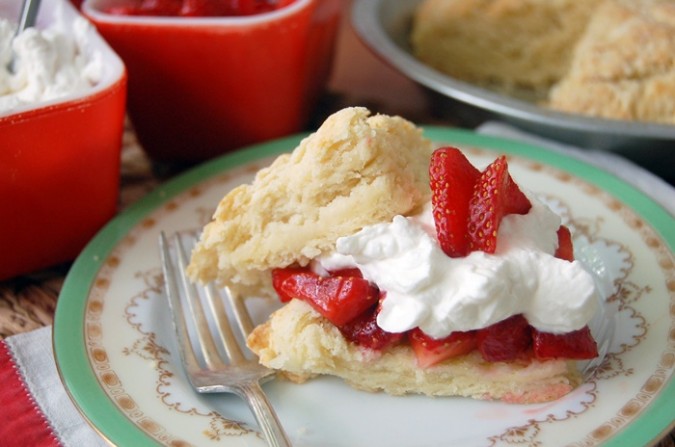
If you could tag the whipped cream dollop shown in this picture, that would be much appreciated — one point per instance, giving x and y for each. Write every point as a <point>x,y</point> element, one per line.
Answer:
<point>48,64</point>
<point>427,289</point>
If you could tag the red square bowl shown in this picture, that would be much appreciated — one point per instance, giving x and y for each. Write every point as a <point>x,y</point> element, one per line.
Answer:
<point>202,86</point>
<point>60,161</point>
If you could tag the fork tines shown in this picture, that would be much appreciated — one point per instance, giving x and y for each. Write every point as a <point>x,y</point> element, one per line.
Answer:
<point>204,364</point>
<point>190,301</point>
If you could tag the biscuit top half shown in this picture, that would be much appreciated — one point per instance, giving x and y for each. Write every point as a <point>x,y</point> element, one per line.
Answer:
<point>357,169</point>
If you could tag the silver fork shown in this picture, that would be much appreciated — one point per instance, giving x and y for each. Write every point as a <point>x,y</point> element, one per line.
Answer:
<point>212,373</point>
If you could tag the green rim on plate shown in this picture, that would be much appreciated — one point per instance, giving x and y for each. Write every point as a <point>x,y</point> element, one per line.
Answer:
<point>69,338</point>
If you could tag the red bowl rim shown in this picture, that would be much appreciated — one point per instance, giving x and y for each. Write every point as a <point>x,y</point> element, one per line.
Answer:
<point>91,9</point>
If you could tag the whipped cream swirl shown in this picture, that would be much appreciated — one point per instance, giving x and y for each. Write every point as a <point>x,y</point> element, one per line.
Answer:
<point>427,289</point>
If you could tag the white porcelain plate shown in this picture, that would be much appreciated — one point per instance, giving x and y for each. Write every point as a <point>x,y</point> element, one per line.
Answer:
<point>117,355</point>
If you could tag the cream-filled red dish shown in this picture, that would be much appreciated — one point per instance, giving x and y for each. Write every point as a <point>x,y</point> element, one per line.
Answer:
<point>403,268</point>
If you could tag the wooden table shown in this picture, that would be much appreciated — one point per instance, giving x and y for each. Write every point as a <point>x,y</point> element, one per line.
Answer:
<point>28,302</point>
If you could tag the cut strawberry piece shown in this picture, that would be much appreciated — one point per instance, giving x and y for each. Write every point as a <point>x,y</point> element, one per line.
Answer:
<point>452,178</point>
<point>565,248</point>
<point>281,275</point>
<point>160,7</point>
<point>250,7</point>
<point>123,10</point>
<point>204,8</point>
<point>196,8</point>
<point>576,345</point>
<point>494,196</point>
<point>506,340</point>
<point>429,351</point>
<point>338,298</point>
<point>347,272</point>
<point>364,331</point>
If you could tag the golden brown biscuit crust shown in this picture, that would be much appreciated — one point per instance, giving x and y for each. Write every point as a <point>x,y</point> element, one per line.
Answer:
<point>504,44</point>
<point>355,170</point>
<point>624,66</point>
<point>606,58</point>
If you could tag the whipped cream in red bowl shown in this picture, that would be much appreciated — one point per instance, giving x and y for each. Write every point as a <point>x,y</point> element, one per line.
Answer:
<point>62,112</point>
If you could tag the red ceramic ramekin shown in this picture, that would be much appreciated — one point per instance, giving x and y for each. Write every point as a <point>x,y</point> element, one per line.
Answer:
<point>60,165</point>
<point>201,86</point>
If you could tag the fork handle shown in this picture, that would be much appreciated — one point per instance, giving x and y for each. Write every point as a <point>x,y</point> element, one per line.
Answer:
<point>265,415</point>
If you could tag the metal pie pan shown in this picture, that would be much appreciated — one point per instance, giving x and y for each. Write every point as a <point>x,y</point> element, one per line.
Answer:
<point>384,26</point>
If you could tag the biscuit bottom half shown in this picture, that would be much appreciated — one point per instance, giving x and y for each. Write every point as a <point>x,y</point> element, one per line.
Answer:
<point>301,344</point>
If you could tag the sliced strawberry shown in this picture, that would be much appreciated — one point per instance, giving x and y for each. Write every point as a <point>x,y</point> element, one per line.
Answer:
<point>160,7</point>
<point>281,275</point>
<point>250,7</point>
<point>347,272</point>
<point>494,196</point>
<point>506,340</point>
<point>196,8</point>
<point>576,345</point>
<point>429,351</point>
<point>204,8</point>
<point>364,331</point>
<point>338,298</point>
<point>123,10</point>
<point>565,248</point>
<point>452,178</point>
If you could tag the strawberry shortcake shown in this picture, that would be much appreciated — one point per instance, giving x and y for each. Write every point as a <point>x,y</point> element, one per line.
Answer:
<point>403,268</point>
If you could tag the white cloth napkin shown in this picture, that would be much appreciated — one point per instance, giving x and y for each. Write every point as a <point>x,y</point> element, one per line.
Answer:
<point>34,360</point>
<point>33,351</point>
